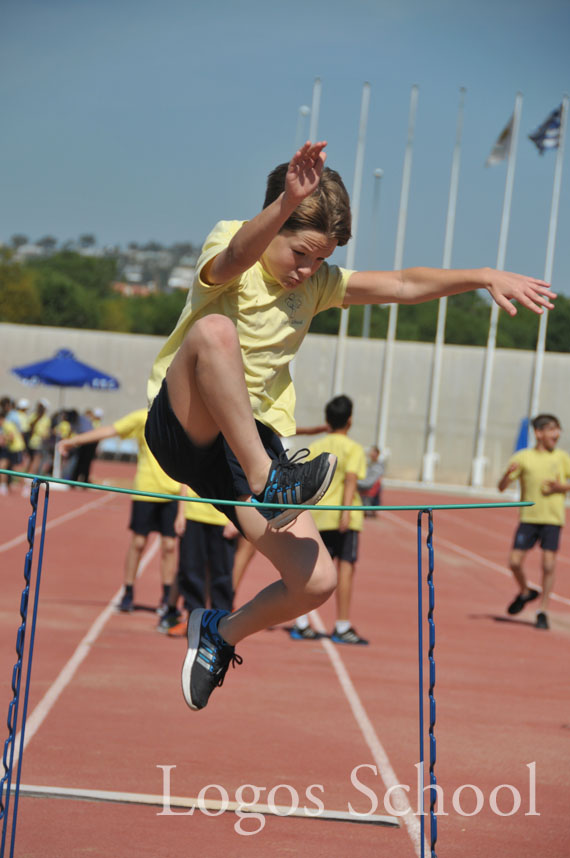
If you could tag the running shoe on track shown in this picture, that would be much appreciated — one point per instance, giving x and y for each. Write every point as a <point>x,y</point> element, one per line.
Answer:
<point>518,604</point>
<point>294,482</point>
<point>348,637</point>
<point>207,659</point>
<point>306,634</point>
<point>127,603</point>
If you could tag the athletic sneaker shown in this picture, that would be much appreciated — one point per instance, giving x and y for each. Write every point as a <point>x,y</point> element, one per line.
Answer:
<point>180,630</point>
<point>127,604</point>
<point>168,620</point>
<point>542,620</point>
<point>207,659</point>
<point>348,637</point>
<point>294,482</point>
<point>307,634</point>
<point>518,604</point>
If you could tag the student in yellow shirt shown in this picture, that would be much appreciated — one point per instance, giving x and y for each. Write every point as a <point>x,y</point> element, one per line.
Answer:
<point>222,394</point>
<point>544,475</point>
<point>339,529</point>
<point>148,514</point>
<point>12,448</point>
<point>205,562</point>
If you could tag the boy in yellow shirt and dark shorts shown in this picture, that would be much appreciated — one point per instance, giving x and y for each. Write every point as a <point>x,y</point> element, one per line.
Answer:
<point>222,394</point>
<point>544,474</point>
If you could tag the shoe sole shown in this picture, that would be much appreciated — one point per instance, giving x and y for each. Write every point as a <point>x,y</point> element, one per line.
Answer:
<point>194,626</point>
<point>289,515</point>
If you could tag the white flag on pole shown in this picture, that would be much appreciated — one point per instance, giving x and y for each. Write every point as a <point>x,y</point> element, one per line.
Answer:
<point>502,147</point>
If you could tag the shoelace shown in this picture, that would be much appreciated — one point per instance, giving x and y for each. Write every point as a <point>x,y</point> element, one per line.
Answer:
<point>289,464</point>
<point>235,659</point>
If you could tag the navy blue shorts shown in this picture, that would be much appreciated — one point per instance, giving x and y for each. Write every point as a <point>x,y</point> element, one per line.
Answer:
<point>153,517</point>
<point>528,535</point>
<point>214,471</point>
<point>342,545</point>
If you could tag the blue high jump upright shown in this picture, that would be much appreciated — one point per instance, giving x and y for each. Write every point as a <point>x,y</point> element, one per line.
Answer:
<point>7,792</point>
<point>431,686</point>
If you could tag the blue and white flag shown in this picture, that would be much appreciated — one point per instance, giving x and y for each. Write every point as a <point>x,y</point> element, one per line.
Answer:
<point>502,147</point>
<point>547,136</point>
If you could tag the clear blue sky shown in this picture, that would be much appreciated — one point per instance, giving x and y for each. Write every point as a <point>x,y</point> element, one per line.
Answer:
<point>138,119</point>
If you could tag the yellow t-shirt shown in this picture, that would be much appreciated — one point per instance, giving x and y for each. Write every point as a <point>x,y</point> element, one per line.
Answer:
<point>40,432</point>
<point>271,323</point>
<point>351,460</point>
<point>14,441</point>
<point>149,475</point>
<point>534,468</point>
<point>203,512</point>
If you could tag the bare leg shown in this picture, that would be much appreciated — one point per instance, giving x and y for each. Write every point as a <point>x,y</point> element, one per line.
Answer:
<point>133,558</point>
<point>168,559</point>
<point>516,560</point>
<point>344,589</point>
<point>308,575</point>
<point>245,552</point>
<point>208,394</point>
<point>548,570</point>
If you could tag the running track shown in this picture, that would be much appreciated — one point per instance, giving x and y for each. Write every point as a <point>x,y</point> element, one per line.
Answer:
<point>106,711</point>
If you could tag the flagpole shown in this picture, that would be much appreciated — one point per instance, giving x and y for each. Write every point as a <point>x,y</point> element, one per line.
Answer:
<point>315,107</point>
<point>300,138</point>
<point>351,248</point>
<point>304,111</point>
<point>479,459</point>
<point>398,259</point>
<point>431,457</point>
<point>367,314</point>
<point>549,264</point>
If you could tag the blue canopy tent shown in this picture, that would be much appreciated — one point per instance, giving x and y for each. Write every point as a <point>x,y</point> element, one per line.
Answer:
<point>64,370</point>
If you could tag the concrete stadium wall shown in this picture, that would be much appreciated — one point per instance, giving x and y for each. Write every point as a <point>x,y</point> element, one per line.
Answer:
<point>130,356</point>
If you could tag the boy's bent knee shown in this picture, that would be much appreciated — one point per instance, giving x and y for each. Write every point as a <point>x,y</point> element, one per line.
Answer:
<point>321,586</point>
<point>213,330</point>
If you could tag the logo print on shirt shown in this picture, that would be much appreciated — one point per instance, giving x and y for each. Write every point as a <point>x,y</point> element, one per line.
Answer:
<point>293,302</point>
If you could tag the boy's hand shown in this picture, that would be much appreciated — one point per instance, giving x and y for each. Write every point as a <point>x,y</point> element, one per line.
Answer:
<point>505,287</point>
<point>305,169</point>
<point>344,520</point>
<point>65,446</point>
<point>553,487</point>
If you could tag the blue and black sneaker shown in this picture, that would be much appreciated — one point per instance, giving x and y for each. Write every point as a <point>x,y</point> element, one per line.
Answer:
<point>207,659</point>
<point>294,482</point>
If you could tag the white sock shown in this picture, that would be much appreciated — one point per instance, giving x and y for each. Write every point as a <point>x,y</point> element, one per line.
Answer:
<point>302,622</point>
<point>342,626</point>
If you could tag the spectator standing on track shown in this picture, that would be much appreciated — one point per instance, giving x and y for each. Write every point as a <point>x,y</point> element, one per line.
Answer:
<point>148,514</point>
<point>257,285</point>
<point>370,487</point>
<point>12,449</point>
<point>544,475</point>
<point>205,563</point>
<point>339,529</point>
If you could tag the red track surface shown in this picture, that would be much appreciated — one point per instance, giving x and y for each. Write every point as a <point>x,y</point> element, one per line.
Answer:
<point>282,717</point>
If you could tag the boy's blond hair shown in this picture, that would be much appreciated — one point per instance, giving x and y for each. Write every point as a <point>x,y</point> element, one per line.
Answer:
<point>326,210</point>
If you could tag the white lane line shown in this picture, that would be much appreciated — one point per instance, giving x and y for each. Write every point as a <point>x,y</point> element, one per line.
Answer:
<point>398,795</point>
<point>42,709</point>
<point>470,555</point>
<point>18,540</point>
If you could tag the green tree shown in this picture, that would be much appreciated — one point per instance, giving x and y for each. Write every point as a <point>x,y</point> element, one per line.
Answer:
<point>95,274</point>
<point>20,301</point>
<point>65,303</point>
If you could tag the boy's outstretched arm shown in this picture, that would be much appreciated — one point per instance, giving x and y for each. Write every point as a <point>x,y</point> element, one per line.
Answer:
<point>250,242</point>
<point>414,285</point>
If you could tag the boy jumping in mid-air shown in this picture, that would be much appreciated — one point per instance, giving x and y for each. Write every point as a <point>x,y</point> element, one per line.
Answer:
<point>221,391</point>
